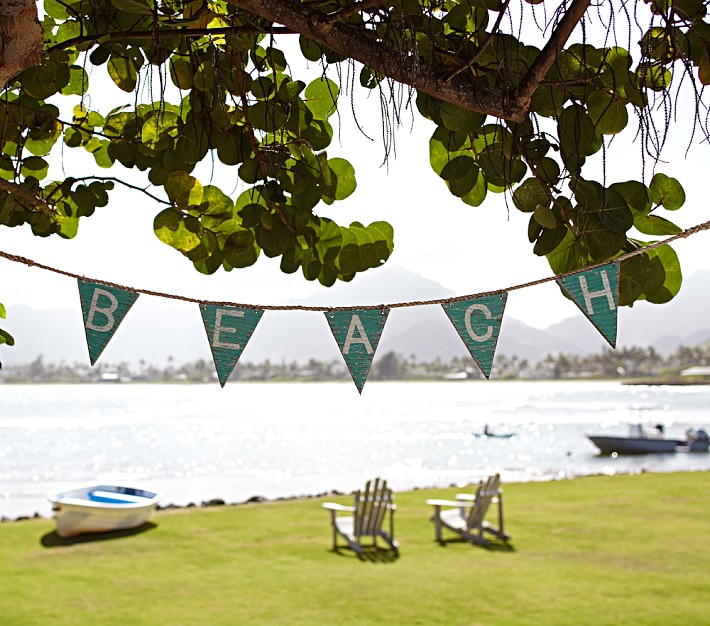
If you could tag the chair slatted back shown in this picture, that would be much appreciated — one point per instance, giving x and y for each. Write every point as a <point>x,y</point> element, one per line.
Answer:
<point>371,505</point>
<point>487,490</point>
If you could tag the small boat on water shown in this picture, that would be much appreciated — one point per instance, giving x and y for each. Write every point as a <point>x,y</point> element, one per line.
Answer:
<point>640,441</point>
<point>101,508</point>
<point>488,433</point>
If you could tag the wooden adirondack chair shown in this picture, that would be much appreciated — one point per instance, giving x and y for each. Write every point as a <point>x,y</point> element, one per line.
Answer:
<point>465,516</point>
<point>365,518</point>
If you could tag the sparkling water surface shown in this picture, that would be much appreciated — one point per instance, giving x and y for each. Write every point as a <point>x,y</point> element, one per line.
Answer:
<point>198,442</point>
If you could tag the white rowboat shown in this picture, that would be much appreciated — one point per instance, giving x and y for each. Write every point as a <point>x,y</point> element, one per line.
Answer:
<point>101,508</point>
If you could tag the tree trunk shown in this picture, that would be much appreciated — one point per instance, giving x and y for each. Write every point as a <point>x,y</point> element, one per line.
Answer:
<point>21,38</point>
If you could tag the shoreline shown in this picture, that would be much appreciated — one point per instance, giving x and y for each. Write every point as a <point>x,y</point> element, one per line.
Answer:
<point>334,493</point>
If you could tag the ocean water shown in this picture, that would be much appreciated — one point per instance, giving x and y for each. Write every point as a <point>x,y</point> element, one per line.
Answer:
<point>198,442</point>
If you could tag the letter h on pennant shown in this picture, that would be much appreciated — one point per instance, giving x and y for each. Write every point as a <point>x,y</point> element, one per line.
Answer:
<point>596,293</point>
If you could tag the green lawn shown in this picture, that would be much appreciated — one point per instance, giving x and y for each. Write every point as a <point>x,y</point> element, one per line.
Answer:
<point>600,550</point>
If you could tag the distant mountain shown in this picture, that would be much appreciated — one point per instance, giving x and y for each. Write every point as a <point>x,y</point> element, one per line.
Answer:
<point>157,329</point>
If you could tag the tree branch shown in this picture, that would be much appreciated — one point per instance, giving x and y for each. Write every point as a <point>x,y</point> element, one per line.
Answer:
<point>548,55</point>
<point>26,196</point>
<point>167,32</point>
<point>463,90</point>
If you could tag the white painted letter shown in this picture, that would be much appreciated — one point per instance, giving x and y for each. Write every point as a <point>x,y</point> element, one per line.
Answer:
<point>218,328</point>
<point>108,312</point>
<point>469,329</point>
<point>356,324</point>
<point>588,295</point>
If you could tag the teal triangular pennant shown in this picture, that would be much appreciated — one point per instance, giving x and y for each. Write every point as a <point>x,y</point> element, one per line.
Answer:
<point>477,321</point>
<point>596,293</point>
<point>103,308</point>
<point>228,331</point>
<point>358,333</point>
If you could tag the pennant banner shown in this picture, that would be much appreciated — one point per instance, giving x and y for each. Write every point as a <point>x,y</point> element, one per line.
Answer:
<point>478,321</point>
<point>358,333</point>
<point>596,293</point>
<point>228,331</point>
<point>103,308</point>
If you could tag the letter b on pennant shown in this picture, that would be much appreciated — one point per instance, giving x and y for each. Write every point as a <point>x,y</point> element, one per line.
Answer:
<point>103,308</point>
<point>477,321</point>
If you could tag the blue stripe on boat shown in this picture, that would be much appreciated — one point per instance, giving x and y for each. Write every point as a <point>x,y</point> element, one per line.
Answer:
<point>98,496</point>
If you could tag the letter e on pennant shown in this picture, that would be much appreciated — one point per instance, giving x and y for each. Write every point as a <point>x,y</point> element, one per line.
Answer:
<point>228,331</point>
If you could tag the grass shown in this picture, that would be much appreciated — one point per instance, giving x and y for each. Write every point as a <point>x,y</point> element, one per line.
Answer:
<point>600,550</point>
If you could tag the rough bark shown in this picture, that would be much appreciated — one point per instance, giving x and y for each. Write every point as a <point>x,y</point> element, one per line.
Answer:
<point>458,88</point>
<point>352,42</point>
<point>21,38</point>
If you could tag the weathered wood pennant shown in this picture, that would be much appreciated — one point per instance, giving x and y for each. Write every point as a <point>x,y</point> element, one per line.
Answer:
<point>358,333</point>
<point>228,331</point>
<point>596,293</point>
<point>477,321</point>
<point>103,308</point>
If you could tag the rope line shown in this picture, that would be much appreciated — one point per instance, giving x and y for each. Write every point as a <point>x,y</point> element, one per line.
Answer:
<point>298,307</point>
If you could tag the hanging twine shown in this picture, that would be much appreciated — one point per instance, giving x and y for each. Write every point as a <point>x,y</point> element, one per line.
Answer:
<point>393,305</point>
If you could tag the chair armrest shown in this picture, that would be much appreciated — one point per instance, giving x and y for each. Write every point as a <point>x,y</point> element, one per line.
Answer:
<point>450,503</point>
<point>338,507</point>
<point>466,496</point>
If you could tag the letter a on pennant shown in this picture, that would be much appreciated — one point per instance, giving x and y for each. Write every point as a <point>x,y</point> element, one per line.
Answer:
<point>596,293</point>
<point>358,333</point>
<point>228,330</point>
<point>103,308</point>
<point>477,321</point>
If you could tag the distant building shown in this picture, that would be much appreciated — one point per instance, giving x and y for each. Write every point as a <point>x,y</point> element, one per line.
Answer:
<point>696,370</point>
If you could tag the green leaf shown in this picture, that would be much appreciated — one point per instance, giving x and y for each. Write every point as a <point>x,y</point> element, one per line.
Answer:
<point>343,178</point>
<point>136,7</point>
<point>78,82</point>
<point>183,190</point>
<point>601,243</point>
<point>566,257</point>
<point>615,214</point>
<point>635,195</point>
<point>459,167</point>
<point>310,49</point>
<point>545,216</point>
<point>322,97</point>
<point>122,71</point>
<point>666,257</point>
<point>34,166</point>
<point>667,192</point>
<point>240,249</point>
<point>6,338</point>
<point>3,312</point>
<point>633,273</point>
<point>181,72</point>
<point>530,194</point>
<point>458,119</point>
<point>655,225</point>
<point>608,114</point>
<point>38,82</point>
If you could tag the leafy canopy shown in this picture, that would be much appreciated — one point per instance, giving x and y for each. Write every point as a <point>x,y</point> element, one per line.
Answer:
<point>510,118</point>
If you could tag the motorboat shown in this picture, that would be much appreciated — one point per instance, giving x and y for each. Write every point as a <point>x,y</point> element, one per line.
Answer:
<point>101,508</point>
<point>640,441</point>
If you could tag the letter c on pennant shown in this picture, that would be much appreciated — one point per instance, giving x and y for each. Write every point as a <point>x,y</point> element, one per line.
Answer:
<point>467,320</point>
